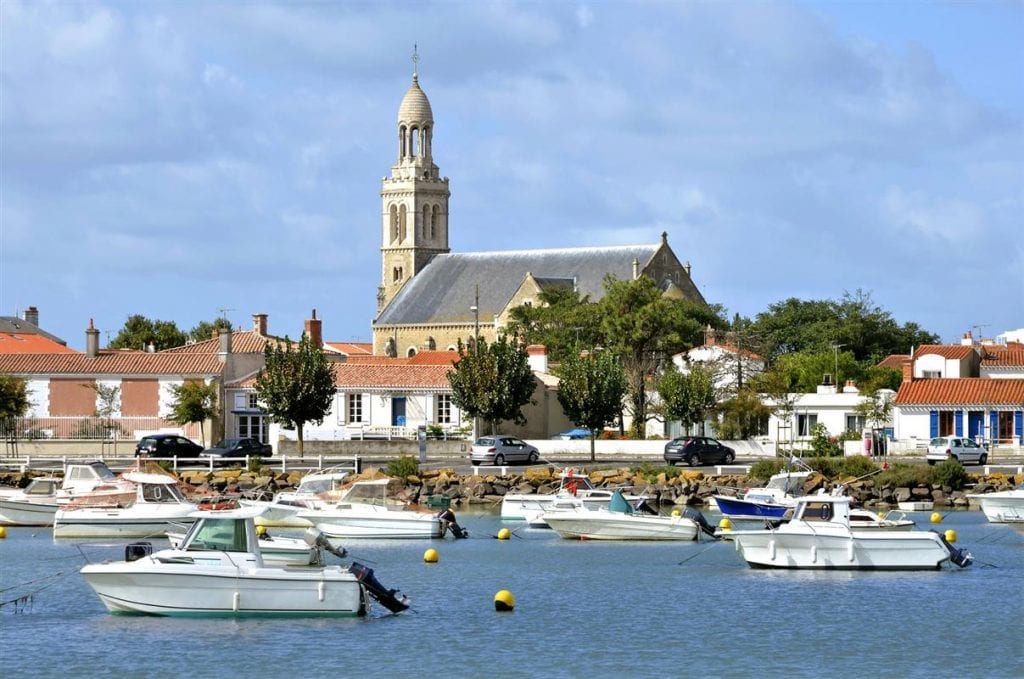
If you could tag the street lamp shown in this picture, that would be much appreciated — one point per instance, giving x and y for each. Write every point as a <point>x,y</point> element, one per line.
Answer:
<point>835,349</point>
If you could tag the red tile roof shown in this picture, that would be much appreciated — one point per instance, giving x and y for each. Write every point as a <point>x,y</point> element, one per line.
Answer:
<point>894,361</point>
<point>31,343</point>
<point>1006,357</point>
<point>980,391</point>
<point>351,348</point>
<point>242,342</point>
<point>435,358</point>
<point>392,376</point>
<point>953,351</point>
<point>111,363</point>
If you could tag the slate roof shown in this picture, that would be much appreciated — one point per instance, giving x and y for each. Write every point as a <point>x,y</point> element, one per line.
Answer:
<point>964,391</point>
<point>31,343</point>
<point>111,363</point>
<point>20,325</point>
<point>443,291</point>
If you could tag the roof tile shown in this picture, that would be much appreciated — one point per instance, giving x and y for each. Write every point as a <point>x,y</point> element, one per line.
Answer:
<point>980,391</point>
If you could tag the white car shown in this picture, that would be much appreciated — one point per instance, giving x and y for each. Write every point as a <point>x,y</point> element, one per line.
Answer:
<point>500,450</point>
<point>958,448</point>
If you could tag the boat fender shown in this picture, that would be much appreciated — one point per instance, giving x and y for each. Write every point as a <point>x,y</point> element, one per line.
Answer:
<point>849,551</point>
<point>814,553</point>
<point>771,550</point>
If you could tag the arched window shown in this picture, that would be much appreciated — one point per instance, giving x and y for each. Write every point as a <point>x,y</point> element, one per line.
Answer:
<point>426,231</point>
<point>401,224</point>
<point>401,141</point>
<point>394,223</point>
<point>414,145</point>
<point>435,213</point>
<point>411,352</point>
<point>431,344</point>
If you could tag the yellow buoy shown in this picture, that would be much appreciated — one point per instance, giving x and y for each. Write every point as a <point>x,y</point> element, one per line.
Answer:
<point>261,530</point>
<point>725,523</point>
<point>3,532</point>
<point>936,517</point>
<point>676,512</point>
<point>950,536</point>
<point>504,601</point>
<point>431,555</point>
<point>504,534</point>
<point>881,515</point>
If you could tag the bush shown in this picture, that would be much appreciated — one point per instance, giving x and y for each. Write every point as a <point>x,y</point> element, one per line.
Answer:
<point>858,465</point>
<point>763,469</point>
<point>255,465</point>
<point>905,475</point>
<point>824,444</point>
<point>949,474</point>
<point>650,472</point>
<point>404,466</point>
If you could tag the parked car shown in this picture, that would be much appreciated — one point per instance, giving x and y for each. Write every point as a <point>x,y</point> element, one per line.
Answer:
<point>499,450</point>
<point>959,448</point>
<point>572,434</point>
<point>237,448</point>
<point>167,446</point>
<point>698,450</point>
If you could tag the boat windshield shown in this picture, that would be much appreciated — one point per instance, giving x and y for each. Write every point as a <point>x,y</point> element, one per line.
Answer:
<point>790,485</point>
<point>102,471</point>
<point>317,486</point>
<point>225,535</point>
<point>41,487</point>
<point>160,492</point>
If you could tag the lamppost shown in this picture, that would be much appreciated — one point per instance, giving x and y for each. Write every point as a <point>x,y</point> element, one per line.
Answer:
<point>476,317</point>
<point>835,349</point>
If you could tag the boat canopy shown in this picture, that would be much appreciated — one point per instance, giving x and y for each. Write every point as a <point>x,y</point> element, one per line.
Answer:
<point>617,503</point>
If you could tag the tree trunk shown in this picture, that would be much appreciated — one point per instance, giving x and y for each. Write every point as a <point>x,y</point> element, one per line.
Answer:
<point>298,428</point>
<point>593,454</point>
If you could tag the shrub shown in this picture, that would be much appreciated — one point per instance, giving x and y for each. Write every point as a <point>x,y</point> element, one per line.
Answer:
<point>255,465</point>
<point>763,469</point>
<point>824,444</point>
<point>650,472</point>
<point>905,475</point>
<point>404,466</point>
<point>858,465</point>
<point>950,474</point>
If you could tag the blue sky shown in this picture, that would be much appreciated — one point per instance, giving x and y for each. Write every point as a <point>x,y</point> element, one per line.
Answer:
<point>176,159</point>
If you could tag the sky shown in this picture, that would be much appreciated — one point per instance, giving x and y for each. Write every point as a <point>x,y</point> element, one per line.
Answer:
<point>185,160</point>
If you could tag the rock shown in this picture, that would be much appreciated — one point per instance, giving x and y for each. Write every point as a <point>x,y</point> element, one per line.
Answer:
<point>902,495</point>
<point>921,492</point>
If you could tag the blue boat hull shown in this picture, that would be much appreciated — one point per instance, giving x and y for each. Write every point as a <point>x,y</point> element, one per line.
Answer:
<point>735,508</point>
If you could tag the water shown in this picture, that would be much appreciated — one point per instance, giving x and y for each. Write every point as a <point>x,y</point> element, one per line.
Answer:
<point>583,609</point>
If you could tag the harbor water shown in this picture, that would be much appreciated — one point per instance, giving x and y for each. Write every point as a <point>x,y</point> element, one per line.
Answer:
<point>582,609</point>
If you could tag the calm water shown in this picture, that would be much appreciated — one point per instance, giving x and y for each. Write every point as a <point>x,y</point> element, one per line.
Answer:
<point>583,609</point>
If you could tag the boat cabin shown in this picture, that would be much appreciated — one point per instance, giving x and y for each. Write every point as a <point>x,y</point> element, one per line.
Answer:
<point>84,478</point>
<point>223,531</point>
<point>779,486</point>
<point>823,509</point>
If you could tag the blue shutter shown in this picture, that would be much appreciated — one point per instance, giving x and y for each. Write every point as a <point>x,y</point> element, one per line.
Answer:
<point>993,425</point>
<point>958,423</point>
<point>933,423</point>
<point>1018,425</point>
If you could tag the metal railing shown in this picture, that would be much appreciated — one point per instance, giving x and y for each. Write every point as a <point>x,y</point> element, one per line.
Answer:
<point>84,428</point>
<point>282,463</point>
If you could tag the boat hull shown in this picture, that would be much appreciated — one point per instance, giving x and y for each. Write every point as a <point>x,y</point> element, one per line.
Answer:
<point>745,510</point>
<point>377,524</point>
<point>877,550</point>
<point>528,507</point>
<point>22,513</point>
<point>146,587</point>
<point>600,525</point>
<point>92,522</point>
<point>1002,507</point>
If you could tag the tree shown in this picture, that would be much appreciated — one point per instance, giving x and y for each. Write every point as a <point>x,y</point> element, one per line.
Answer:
<point>492,382</point>
<point>803,371</point>
<point>743,416</point>
<point>563,322</point>
<point>687,397</point>
<point>590,390</point>
<point>206,330</point>
<point>296,385</point>
<point>642,327</point>
<point>14,402</point>
<point>139,332</point>
<point>876,408</point>
<point>194,401</point>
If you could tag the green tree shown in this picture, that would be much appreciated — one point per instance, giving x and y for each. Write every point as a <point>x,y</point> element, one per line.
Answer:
<point>803,371</point>
<point>687,397</point>
<point>492,382</point>
<point>590,390</point>
<point>206,330</point>
<point>562,322</point>
<point>296,385</point>
<point>876,408</point>
<point>742,416</point>
<point>14,402</point>
<point>194,401</point>
<point>139,332</point>
<point>643,327</point>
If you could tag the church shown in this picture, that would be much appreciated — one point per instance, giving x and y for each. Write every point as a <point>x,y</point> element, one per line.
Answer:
<point>429,297</point>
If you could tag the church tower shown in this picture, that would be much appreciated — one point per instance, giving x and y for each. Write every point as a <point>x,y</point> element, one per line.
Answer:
<point>414,198</point>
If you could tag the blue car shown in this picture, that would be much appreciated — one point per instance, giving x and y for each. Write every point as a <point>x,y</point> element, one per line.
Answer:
<point>573,434</point>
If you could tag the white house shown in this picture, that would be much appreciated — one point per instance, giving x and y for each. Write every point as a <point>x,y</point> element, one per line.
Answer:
<point>836,410</point>
<point>727,363</point>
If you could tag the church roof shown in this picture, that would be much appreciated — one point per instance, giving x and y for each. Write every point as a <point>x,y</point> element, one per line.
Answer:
<point>415,106</point>
<point>443,292</point>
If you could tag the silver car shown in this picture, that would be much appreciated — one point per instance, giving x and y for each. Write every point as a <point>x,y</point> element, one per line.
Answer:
<point>500,450</point>
<point>958,448</point>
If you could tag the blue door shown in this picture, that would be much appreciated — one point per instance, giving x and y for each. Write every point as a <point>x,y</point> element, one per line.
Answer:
<point>975,424</point>
<point>398,411</point>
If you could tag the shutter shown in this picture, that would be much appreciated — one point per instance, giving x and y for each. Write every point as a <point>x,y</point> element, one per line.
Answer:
<point>958,422</point>
<point>933,423</point>
<point>1018,426</point>
<point>993,426</point>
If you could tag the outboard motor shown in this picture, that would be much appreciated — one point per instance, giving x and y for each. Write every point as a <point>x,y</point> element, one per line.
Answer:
<point>447,517</point>
<point>961,557</point>
<point>702,523</point>
<point>315,538</point>
<point>388,598</point>
<point>137,550</point>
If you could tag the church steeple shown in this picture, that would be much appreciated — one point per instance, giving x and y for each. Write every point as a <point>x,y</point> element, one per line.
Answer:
<point>414,198</point>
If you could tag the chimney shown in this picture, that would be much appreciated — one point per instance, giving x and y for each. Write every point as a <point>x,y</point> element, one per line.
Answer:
<point>537,356</point>
<point>908,371</point>
<point>967,341</point>
<point>92,341</point>
<point>850,387</point>
<point>32,316</point>
<point>826,386</point>
<point>259,324</point>
<point>686,268</point>
<point>636,268</point>
<point>225,344</point>
<point>709,336</point>
<point>314,330</point>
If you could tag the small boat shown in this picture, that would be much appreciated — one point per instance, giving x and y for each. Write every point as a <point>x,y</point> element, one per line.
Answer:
<point>316,490</point>
<point>916,506</point>
<point>863,519</point>
<point>529,506</point>
<point>770,502</point>
<point>366,511</point>
<point>39,501</point>
<point>1005,506</point>
<point>276,550</point>
<point>219,570</point>
<point>620,520</point>
<point>821,536</point>
<point>152,506</point>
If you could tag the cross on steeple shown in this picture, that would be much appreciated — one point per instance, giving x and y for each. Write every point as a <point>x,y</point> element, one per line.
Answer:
<point>415,62</point>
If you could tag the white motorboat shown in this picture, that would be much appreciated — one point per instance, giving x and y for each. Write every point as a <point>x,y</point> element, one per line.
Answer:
<point>1005,506</point>
<point>820,536</point>
<point>620,520</point>
<point>770,502</point>
<point>219,570</point>
<point>529,506</point>
<point>316,490</point>
<point>277,550</point>
<point>152,507</point>
<point>863,519</point>
<point>36,504</point>
<point>366,511</point>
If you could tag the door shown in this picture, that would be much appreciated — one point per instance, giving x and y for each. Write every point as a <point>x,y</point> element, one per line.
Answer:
<point>398,411</point>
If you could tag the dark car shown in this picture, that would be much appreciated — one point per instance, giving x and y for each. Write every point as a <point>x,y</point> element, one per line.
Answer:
<point>167,446</point>
<point>238,448</point>
<point>698,450</point>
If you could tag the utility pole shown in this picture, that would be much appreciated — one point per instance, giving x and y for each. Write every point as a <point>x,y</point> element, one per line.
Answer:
<point>835,349</point>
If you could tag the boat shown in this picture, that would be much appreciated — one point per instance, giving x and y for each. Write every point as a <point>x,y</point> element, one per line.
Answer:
<point>366,511</point>
<point>529,506</point>
<point>316,490</point>
<point>863,519</point>
<point>1005,506</point>
<point>770,502</point>
<point>219,570</point>
<point>620,520</point>
<point>916,506</point>
<point>821,536</point>
<point>149,508</point>
<point>37,503</point>
<point>277,550</point>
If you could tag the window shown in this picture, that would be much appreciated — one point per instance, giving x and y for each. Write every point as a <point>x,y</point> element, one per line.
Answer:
<point>394,223</point>
<point>401,224</point>
<point>1005,425</point>
<point>253,400</point>
<point>805,423</point>
<point>931,374</point>
<point>855,423</point>
<point>946,423</point>
<point>425,230</point>
<point>444,409</point>
<point>355,408</point>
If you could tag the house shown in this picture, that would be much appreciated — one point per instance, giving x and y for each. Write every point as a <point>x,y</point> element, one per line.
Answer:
<point>794,418</point>
<point>729,364</point>
<point>22,335</point>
